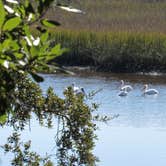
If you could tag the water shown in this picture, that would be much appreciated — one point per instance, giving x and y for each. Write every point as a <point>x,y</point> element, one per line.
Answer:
<point>137,137</point>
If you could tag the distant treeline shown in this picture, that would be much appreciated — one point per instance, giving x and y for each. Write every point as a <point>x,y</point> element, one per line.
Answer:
<point>117,52</point>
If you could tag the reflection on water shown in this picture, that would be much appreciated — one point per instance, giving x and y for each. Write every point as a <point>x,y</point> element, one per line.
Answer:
<point>128,146</point>
<point>137,137</point>
<point>135,110</point>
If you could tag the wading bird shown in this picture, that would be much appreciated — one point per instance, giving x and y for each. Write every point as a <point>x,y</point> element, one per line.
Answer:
<point>149,91</point>
<point>81,91</point>
<point>123,93</point>
<point>75,88</point>
<point>124,87</point>
<point>71,9</point>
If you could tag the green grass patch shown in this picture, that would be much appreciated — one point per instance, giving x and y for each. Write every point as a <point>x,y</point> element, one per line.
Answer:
<point>116,51</point>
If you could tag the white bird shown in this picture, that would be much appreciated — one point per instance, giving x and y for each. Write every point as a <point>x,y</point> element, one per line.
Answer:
<point>75,88</point>
<point>149,91</point>
<point>122,93</point>
<point>12,1</point>
<point>71,9</point>
<point>78,90</point>
<point>124,87</point>
<point>81,91</point>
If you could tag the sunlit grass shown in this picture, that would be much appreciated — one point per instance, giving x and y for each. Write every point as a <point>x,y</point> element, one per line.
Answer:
<point>115,15</point>
<point>120,51</point>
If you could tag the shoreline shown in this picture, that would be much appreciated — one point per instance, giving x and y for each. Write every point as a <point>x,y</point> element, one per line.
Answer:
<point>76,70</point>
<point>84,72</point>
<point>92,70</point>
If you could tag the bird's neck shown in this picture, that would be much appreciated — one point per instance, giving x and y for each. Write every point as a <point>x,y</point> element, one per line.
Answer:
<point>122,84</point>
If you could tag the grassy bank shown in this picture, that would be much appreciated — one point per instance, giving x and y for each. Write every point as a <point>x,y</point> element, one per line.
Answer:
<point>117,52</point>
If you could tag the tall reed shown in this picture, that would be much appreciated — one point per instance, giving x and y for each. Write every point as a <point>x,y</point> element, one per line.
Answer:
<point>118,52</point>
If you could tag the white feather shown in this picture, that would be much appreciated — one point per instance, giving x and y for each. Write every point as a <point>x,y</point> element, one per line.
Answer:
<point>70,9</point>
<point>127,88</point>
<point>12,1</point>
<point>150,91</point>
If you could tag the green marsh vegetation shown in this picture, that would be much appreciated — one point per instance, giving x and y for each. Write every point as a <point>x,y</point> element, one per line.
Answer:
<point>118,36</point>
<point>117,52</point>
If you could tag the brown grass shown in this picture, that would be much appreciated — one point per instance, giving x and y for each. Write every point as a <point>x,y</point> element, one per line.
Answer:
<point>114,15</point>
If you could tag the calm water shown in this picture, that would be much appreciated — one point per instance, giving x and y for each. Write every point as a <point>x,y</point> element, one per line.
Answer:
<point>136,138</point>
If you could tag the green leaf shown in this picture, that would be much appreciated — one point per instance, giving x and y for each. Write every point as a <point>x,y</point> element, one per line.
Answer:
<point>44,37</point>
<point>36,77</point>
<point>6,44</point>
<point>1,47</point>
<point>15,46</point>
<point>56,50</point>
<point>2,15</point>
<point>18,55</point>
<point>13,66</point>
<point>49,58</point>
<point>26,30</point>
<point>49,23</point>
<point>26,3</point>
<point>22,11</point>
<point>1,61</point>
<point>34,51</point>
<point>3,118</point>
<point>11,23</point>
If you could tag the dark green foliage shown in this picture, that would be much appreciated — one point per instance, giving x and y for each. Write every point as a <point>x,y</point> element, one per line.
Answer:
<point>49,23</point>
<point>21,55</point>
<point>22,153</point>
<point>75,135</point>
<point>74,141</point>
<point>36,77</point>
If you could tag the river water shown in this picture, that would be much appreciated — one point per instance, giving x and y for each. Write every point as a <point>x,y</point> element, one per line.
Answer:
<point>137,137</point>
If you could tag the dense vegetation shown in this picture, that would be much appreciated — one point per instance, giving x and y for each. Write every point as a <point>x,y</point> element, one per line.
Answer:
<point>117,52</point>
<point>119,36</point>
<point>22,53</point>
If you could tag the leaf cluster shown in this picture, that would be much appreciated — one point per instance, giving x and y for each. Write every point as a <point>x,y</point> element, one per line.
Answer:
<point>21,51</point>
<point>76,126</point>
<point>22,153</point>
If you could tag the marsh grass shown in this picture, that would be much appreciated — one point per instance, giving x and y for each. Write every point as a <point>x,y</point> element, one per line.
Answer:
<point>114,15</point>
<point>110,51</point>
<point>114,35</point>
